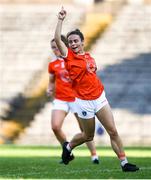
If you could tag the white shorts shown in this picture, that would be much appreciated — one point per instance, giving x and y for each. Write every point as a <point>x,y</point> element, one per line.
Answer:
<point>64,105</point>
<point>87,109</point>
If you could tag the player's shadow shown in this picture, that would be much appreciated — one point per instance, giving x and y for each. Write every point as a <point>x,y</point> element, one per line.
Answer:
<point>128,84</point>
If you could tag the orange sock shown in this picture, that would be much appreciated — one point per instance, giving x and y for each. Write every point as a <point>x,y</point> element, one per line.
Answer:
<point>122,156</point>
<point>93,153</point>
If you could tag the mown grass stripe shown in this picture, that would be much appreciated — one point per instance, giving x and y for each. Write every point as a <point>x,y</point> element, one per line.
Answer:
<point>78,152</point>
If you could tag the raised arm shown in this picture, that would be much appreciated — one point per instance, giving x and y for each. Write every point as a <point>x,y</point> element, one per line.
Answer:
<point>61,46</point>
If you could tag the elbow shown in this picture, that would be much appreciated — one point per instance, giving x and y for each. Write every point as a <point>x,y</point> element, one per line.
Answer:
<point>56,38</point>
<point>57,41</point>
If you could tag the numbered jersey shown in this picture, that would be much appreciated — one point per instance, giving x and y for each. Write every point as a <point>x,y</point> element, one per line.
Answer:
<point>82,71</point>
<point>63,85</point>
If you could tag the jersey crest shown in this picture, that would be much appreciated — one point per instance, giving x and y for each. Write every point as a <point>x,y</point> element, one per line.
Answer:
<point>91,65</point>
<point>64,75</point>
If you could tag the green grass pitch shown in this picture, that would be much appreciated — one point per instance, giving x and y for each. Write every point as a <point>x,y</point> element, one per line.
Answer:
<point>42,162</point>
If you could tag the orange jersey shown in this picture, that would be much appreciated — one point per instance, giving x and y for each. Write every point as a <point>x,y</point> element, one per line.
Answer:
<point>63,86</point>
<point>82,71</point>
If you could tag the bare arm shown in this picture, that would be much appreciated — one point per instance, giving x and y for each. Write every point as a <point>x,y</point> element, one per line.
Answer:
<point>61,46</point>
<point>51,85</point>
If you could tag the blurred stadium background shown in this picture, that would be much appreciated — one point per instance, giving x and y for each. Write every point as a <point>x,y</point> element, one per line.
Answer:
<point>117,33</point>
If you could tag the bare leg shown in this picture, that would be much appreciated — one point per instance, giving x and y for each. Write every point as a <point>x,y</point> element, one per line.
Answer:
<point>88,126</point>
<point>91,147</point>
<point>105,116</point>
<point>90,144</point>
<point>57,119</point>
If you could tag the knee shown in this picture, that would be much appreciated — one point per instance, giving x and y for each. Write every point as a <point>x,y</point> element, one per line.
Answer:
<point>113,133</point>
<point>55,128</point>
<point>88,137</point>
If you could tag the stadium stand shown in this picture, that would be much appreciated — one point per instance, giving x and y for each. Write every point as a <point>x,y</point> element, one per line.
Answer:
<point>26,33</point>
<point>99,24</point>
<point>25,45</point>
<point>105,48</point>
<point>122,54</point>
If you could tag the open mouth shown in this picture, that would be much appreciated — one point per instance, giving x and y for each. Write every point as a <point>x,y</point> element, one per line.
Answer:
<point>75,49</point>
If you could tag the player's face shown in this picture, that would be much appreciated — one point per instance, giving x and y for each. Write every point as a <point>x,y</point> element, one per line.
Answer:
<point>55,49</point>
<point>75,43</point>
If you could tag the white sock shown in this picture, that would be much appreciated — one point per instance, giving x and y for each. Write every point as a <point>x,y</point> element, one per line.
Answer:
<point>94,157</point>
<point>124,161</point>
<point>68,147</point>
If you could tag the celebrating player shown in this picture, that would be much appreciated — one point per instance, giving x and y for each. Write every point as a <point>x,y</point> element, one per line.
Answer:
<point>61,88</point>
<point>90,96</point>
